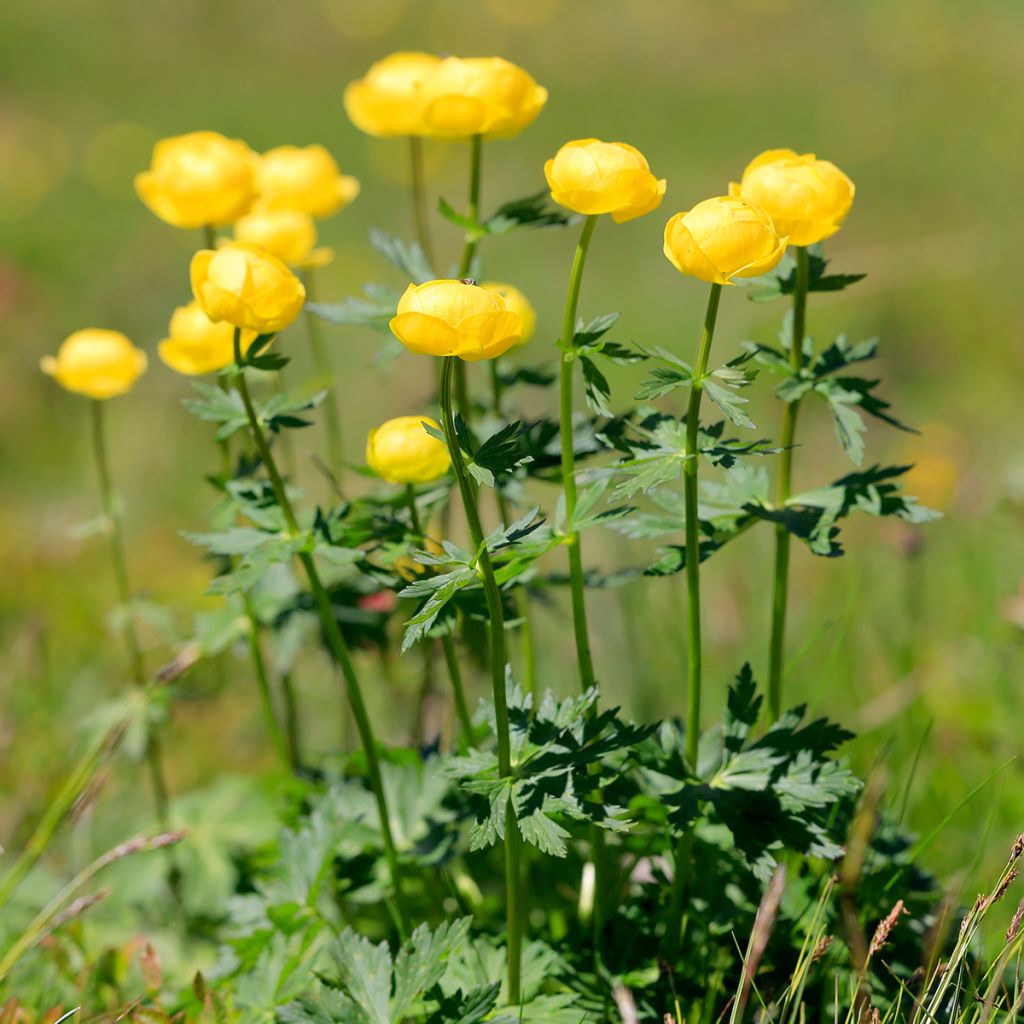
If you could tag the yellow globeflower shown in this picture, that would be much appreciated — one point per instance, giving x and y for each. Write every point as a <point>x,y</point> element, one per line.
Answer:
<point>515,302</point>
<point>807,198</point>
<point>455,318</point>
<point>290,235</point>
<point>196,344</point>
<point>723,238</point>
<point>589,176</point>
<point>96,363</point>
<point>385,102</point>
<point>485,96</point>
<point>402,452</point>
<point>199,179</point>
<point>304,178</point>
<point>246,286</point>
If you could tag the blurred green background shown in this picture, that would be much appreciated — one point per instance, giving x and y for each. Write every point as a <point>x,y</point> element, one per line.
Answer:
<point>918,100</point>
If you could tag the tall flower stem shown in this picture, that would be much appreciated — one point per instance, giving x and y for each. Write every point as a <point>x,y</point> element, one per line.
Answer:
<point>579,608</point>
<point>324,371</point>
<point>469,245</point>
<point>335,639</point>
<point>496,623</point>
<point>447,643</point>
<point>783,489</point>
<point>690,495</point>
<point>112,512</point>
<point>419,198</point>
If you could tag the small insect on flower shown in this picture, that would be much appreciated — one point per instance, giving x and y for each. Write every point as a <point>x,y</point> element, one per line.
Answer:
<point>304,178</point>
<point>385,101</point>
<point>402,452</point>
<point>96,363</point>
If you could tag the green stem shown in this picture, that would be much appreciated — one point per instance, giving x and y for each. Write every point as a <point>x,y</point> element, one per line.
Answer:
<point>783,489</point>
<point>419,204</point>
<point>469,245</point>
<point>325,373</point>
<point>579,608</point>
<point>496,623</point>
<point>450,657</point>
<point>690,493</point>
<point>332,631</point>
<point>277,737</point>
<point>124,593</point>
<point>209,236</point>
<point>292,727</point>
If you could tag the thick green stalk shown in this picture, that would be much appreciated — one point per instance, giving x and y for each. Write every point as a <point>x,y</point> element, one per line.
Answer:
<point>496,623</point>
<point>450,657</point>
<point>210,236</point>
<point>325,373</point>
<point>690,493</point>
<point>579,608</point>
<point>783,489</point>
<point>419,203</point>
<point>259,666</point>
<point>335,639</point>
<point>112,513</point>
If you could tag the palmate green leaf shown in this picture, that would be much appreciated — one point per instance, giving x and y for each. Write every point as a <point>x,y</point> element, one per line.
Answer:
<point>846,396</point>
<point>596,388</point>
<point>590,335</point>
<point>439,590</point>
<point>474,1007</point>
<point>533,211</point>
<point>373,309</point>
<point>782,279</point>
<point>282,411</point>
<point>408,257</point>
<point>500,454</point>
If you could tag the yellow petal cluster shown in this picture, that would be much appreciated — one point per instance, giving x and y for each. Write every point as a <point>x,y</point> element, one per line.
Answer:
<point>96,363</point>
<point>807,198</point>
<point>246,286</point>
<point>402,452</point>
<point>485,96</point>
<point>304,178</point>
<point>290,235</point>
<point>723,238</point>
<point>590,177</point>
<point>199,179</point>
<point>455,318</point>
<point>515,302</point>
<point>196,345</point>
<point>385,101</point>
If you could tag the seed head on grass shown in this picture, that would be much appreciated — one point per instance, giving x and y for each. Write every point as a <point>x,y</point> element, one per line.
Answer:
<point>885,927</point>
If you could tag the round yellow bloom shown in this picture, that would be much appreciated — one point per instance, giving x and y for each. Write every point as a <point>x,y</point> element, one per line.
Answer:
<point>198,345</point>
<point>515,302</point>
<point>385,102</point>
<point>723,238</point>
<point>246,286</point>
<point>96,363</point>
<point>479,96</point>
<point>198,179</point>
<point>304,178</point>
<point>402,452</point>
<point>290,235</point>
<point>807,198</point>
<point>589,176</point>
<point>455,318</point>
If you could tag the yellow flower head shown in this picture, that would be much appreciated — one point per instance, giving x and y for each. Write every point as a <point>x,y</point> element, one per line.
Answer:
<point>246,286</point>
<point>96,363</point>
<point>807,198</point>
<point>385,102</point>
<point>198,179</point>
<point>304,178</point>
<point>723,238</point>
<point>515,302</point>
<point>589,176</point>
<point>402,452</point>
<point>478,96</point>
<point>290,235</point>
<point>455,318</point>
<point>197,345</point>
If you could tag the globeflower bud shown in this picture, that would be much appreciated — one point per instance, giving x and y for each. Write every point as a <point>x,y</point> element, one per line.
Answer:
<point>485,96</point>
<point>385,102</point>
<point>807,198</point>
<point>723,238</point>
<point>455,318</point>
<point>304,178</point>
<point>246,286</point>
<point>96,363</point>
<point>199,179</point>
<point>287,234</point>
<point>515,302</point>
<point>197,345</point>
<point>402,452</point>
<point>590,177</point>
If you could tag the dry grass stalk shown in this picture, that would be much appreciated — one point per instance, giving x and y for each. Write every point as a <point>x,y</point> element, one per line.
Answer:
<point>885,927</point>
<point>1011,932</point>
